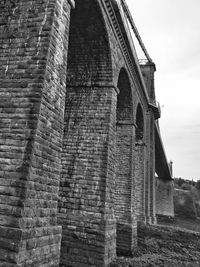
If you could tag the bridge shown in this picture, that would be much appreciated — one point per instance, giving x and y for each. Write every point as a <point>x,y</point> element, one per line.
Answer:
<point>79,134</point>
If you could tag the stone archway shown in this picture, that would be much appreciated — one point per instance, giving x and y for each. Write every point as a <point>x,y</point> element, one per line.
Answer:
<point>140,165</point>
<point>124,196</point>
<point>86,208</point>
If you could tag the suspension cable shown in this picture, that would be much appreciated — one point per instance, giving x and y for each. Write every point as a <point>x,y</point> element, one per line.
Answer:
<point>137,35</point>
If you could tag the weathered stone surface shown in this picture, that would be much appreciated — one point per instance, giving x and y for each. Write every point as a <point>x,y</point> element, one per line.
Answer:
<point>34,37</point>
<point>71,164</point>
<point>164,198</point>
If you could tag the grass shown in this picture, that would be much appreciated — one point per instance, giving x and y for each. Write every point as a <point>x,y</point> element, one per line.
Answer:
<point>193,225</point>
<point>166,245</point>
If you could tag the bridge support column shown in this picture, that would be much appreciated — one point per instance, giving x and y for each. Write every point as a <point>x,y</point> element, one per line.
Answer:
<point>140,180</point>
<point>86,206</point>
<point>164,199</point>
<point>125,206</point>
<point>150,170</point>
<point>32,93</point>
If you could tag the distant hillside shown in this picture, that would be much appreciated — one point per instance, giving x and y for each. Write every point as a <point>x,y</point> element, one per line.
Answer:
<point>187,198</point>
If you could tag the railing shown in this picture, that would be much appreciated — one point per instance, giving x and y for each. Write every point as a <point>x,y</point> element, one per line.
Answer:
<point>127,27</point>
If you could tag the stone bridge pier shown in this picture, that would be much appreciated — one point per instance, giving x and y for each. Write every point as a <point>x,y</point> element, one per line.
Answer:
<point>79,143</point>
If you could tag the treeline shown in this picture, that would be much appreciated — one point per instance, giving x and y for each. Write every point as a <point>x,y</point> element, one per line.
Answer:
<point>184,184</point>
<point>187,200</point>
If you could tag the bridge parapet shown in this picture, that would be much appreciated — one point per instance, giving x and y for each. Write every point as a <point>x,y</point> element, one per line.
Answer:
<point>124,35</point>
<point>145,67</point>
<point>163,167</point>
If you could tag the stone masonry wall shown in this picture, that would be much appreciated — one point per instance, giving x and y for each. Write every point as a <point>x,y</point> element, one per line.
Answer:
<point>59,138</point>
<point>87,181</point>
<point>140,180</point>
<point>86,206</point>
<point>148,71</point>
<point>164,198</point>
<point>151,150</point>
<point>33,55</point>
<point>150,210</point>
<point>123,172</point>
<point>124,209</point>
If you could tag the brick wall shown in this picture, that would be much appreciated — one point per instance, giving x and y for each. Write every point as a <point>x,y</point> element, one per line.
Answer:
<point>87,181</point>
<point>151,149</point>
<point>150,211</point>
<point>124,171</point>
<point>86,206</point>
<point>148,74</point>
<point>140,180</point>
<point>33,53</point>
<point>124,209</point>
<point>58,130</point>
<point>164,198</point>
<point>140,165</point>
<point>124,183</point>
<point>148,70</point>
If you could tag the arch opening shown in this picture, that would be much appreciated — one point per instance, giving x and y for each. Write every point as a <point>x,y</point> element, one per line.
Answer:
<point>83,188</point>
<point>124,194</point>
<point>89,59</point>
<point>139,134</point>
<point>140,165</point>
<point>124,98</point>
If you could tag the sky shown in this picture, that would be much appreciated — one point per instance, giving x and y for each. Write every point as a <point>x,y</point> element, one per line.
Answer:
<point>170,30</point>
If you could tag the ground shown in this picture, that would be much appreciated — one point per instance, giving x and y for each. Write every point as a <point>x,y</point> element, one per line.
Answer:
<point>167,245</point>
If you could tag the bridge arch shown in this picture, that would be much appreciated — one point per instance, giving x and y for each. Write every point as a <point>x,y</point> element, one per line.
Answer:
<point>124,211</point>
<point>89,57</point>
<point>140,164</point>
<point>124,98</point>
<point>139,123</point>
<point>87,178</point>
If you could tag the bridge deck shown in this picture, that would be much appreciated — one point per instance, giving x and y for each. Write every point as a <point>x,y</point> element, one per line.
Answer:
<point>162,166</point>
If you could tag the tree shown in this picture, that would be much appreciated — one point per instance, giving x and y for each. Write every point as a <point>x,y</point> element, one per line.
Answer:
<point>198,185</point>
<point>186,186</point>
<point>179,181</point>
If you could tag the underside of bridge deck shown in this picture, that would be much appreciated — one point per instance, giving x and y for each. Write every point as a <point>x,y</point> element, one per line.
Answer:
<point>164,182</point>
<point>162,165</point>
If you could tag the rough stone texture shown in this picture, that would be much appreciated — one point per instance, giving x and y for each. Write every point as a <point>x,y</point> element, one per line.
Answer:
<point>150,211</point>
<point>148,70</point>
<point>124,204</point>
<point>87,181</point>
<point>33,56</point>
<point>69,129</point>
<point>164,198</point>
<point>151,150</point>
<point>140,180</point>
<point>140,148</point>
<point>124,184</point>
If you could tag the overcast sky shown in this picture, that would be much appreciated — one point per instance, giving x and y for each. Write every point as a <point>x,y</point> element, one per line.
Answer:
<point>170,30</point>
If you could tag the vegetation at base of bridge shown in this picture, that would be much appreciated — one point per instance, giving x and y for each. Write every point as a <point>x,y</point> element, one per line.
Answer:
<point>187,198</point>
<point>186,184</point>
<point>164,246</point>
<point>175,242</point>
